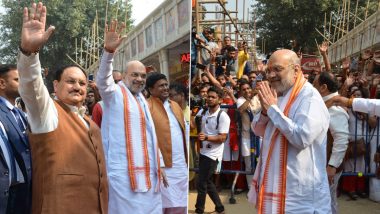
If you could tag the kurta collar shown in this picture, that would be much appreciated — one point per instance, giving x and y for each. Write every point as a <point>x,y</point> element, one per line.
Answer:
<point>79,111</point>
<point>327,97</point>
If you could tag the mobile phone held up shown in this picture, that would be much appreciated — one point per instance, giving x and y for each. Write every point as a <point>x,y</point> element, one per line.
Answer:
<point>91,77</point>
<point>200,66</point>
<point>259,78</point>
<point>228,85</point>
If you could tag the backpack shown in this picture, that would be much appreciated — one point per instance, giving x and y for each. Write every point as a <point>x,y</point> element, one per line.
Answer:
<point>217,117</point>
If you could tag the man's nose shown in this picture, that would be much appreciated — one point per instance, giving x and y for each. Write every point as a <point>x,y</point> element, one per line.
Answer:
<point>271,74</point>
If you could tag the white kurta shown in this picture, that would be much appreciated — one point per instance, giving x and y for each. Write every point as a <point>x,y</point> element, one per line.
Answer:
<point>307,189</point>
<point>121,197</point>
<point>176,194</point>
<point>369,106</point>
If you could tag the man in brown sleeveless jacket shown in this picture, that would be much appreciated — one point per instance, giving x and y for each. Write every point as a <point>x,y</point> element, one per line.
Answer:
<point>169,123</point>
<point>69,173</point>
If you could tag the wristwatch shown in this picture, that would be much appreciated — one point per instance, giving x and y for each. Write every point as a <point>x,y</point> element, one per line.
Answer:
<point>206,138</point>
<point>26,53</point>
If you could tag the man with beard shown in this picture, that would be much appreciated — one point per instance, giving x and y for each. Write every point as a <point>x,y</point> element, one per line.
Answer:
<point>128,132</point>
<point>212,137</point>
<point>291,174</point>
<point>15,179</point>
<point>69,174</point>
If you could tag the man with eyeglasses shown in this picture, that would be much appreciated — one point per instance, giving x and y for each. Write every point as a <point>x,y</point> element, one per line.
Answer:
<point>291,173</point>
<point>68,170</point>
<point>129,138</point>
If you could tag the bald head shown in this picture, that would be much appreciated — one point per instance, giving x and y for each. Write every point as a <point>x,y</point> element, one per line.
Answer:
<point>283,67</point>
<point>135,76</point>
<point>135,64</point>
<point>285,55</point>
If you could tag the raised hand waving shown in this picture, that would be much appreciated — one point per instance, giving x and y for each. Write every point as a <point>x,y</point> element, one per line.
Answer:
<point>33,34</point>
<point>112,38</point>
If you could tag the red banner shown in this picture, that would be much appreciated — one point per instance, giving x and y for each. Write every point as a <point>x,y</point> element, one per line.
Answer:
<point>310,64</point>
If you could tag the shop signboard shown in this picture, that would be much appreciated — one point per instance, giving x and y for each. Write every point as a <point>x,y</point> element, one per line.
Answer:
<point>310,64</point>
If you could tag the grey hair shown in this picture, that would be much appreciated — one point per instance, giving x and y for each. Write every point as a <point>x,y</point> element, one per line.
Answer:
<point>294,59</point>
<point>128,65</point>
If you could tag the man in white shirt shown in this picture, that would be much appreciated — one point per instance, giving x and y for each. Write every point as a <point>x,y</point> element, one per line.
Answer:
<point>291,173</point>
<point>128,133</point>
<point>338,128</point>
<point>214,129</point>
<point>248,105</point>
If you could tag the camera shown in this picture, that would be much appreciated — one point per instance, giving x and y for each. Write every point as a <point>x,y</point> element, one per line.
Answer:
<point>197,101</point>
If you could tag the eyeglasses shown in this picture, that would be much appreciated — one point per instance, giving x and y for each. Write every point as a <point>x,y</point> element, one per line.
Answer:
<point>136,74</point>
<point>277,69</point>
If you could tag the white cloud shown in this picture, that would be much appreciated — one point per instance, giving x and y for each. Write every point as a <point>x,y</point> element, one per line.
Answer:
<point>142,8</point>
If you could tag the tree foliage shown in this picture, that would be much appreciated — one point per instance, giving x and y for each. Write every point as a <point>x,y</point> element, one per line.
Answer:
<point>71,18</point>
<point>291,23</point>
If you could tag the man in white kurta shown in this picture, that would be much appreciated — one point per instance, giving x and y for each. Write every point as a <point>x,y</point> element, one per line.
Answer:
<point>176,194</point>
<point>123,198</point>
<point>304,133</point>
<point>369,106</point>
<point>171,135</point>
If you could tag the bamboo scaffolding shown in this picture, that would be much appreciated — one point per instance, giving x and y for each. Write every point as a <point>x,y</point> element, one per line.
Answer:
<point>319,51</point>
<point>76,50</point>
<point>330,26</point>
<point>356,17</point>
<point>336,25</point>
<point>344,16</point>
<point>97,34</point>
<point>366,10</point>
<point>87,48</point>
<point>340,21</point>
<point>323,36</point>
<point>81,50</point>
<point>356,12</point>
<point>324,26</point>
<point>376,23</point>
<point>75,62</point>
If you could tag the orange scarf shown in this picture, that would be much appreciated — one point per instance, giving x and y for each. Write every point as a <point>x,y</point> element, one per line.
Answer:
<point>132,169</point>
<point>266,196</point>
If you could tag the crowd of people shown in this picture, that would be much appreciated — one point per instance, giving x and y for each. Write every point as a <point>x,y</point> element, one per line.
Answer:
<point>99,145</point>
<point>297,124</point>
